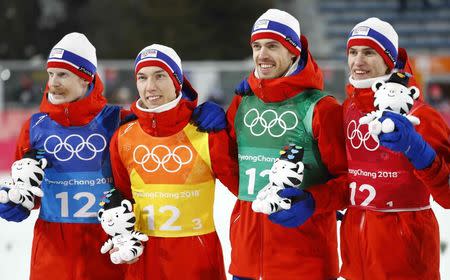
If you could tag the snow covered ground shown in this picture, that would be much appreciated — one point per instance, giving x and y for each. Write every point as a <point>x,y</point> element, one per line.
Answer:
<point>15,239</point>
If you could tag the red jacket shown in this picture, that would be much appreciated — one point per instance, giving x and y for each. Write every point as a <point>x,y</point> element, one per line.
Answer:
<point>412,236</point>
<point>435,132</point>
<point>433,129</point>
<point>63,249</point>
<point>261,248</point>
<point>192,257</point>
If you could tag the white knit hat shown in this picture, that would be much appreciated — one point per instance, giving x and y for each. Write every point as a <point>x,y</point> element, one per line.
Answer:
<point>379,35</point>
<point>278,25</point>
<point>75,53</point>
<point>164,57</point>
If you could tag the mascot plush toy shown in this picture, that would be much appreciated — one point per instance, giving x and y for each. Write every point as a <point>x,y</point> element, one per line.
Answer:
<point>26,178</point>
<point>117,220</point>
<point>286,172</point>
<point>392,95</point>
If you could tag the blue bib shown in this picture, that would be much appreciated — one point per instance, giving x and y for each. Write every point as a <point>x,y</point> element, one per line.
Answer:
<point>79,168</point>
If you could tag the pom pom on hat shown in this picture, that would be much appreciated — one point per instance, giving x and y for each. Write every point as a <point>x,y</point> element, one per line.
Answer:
<point>164,57</point>
<point>75,53</point>
<point>278,25</point>
<point>379,35</point>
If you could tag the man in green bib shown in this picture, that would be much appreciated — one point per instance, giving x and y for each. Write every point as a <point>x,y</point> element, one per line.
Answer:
<point>282,103</point>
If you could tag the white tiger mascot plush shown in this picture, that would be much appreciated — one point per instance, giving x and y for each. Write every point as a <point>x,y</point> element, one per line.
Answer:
<point>392,95</point>
<point>26,178</point>
<point>286,172</point>
<point>117,220</point>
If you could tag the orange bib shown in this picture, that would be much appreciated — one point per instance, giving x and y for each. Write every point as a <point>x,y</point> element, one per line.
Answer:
<point>171,180</point>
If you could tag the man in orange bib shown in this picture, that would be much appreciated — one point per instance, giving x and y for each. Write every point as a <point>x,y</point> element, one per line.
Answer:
<point>169,168</point>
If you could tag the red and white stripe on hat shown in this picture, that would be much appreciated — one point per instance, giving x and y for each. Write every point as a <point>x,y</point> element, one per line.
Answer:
<point>164,57</point>
<point>280,26</point>
<point>75,53</point>
<point>379,35</point>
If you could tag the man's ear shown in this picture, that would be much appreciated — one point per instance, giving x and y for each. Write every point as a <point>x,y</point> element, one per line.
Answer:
<point>84,82</point>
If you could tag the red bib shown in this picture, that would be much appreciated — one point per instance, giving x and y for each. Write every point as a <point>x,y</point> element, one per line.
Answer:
<point>380,179</point>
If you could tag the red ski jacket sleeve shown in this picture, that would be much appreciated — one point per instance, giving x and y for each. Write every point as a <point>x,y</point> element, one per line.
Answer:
<point>435,132</point>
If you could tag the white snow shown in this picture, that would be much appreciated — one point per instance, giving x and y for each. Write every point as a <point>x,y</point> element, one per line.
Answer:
<point>15,239</point>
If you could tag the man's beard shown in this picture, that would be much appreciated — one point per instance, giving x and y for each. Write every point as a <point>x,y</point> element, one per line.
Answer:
<point>56,96</point>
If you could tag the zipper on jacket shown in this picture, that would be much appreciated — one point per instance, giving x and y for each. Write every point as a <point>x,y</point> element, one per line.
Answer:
<point>362,227</point>
<point>66,113</point>
<point>201,241</point>
<point>261,265</point>
<point>153,122</point>
<point>203,245</point>
<point>260,87</point>
<point>235,220</point>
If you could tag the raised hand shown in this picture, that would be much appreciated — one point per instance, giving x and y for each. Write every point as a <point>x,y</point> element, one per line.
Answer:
<point>209,116</point>
<point>406,140</point>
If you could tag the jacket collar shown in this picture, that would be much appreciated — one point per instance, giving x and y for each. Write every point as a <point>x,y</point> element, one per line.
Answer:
<point>78,113</point>
<point>171,121</point>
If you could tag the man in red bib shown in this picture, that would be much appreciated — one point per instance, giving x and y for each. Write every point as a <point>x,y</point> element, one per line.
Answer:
<point>168,168</point>
<point>389,230</point>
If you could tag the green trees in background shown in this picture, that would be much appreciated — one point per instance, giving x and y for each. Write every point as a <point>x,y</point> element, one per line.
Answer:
<point>197,29</point>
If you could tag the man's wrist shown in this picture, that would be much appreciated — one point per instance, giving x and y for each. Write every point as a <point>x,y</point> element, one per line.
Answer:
<point>423,157</point>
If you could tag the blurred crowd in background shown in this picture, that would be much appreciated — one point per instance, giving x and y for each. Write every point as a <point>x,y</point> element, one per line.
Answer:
<point>211,36</point>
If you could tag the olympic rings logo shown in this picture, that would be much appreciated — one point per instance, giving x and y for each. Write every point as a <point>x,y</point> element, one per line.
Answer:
<point>74,144</point>
<point>277,126</point>
<point>162,161</point>
<point>357,139</point>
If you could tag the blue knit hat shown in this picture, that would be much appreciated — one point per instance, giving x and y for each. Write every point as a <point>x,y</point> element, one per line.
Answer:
<point>74,53</point>
<point>379,35</point>
<point>281,26</point>
<point>164,57</point>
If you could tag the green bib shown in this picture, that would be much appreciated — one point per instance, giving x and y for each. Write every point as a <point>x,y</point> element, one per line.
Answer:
<point>263,129</point>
